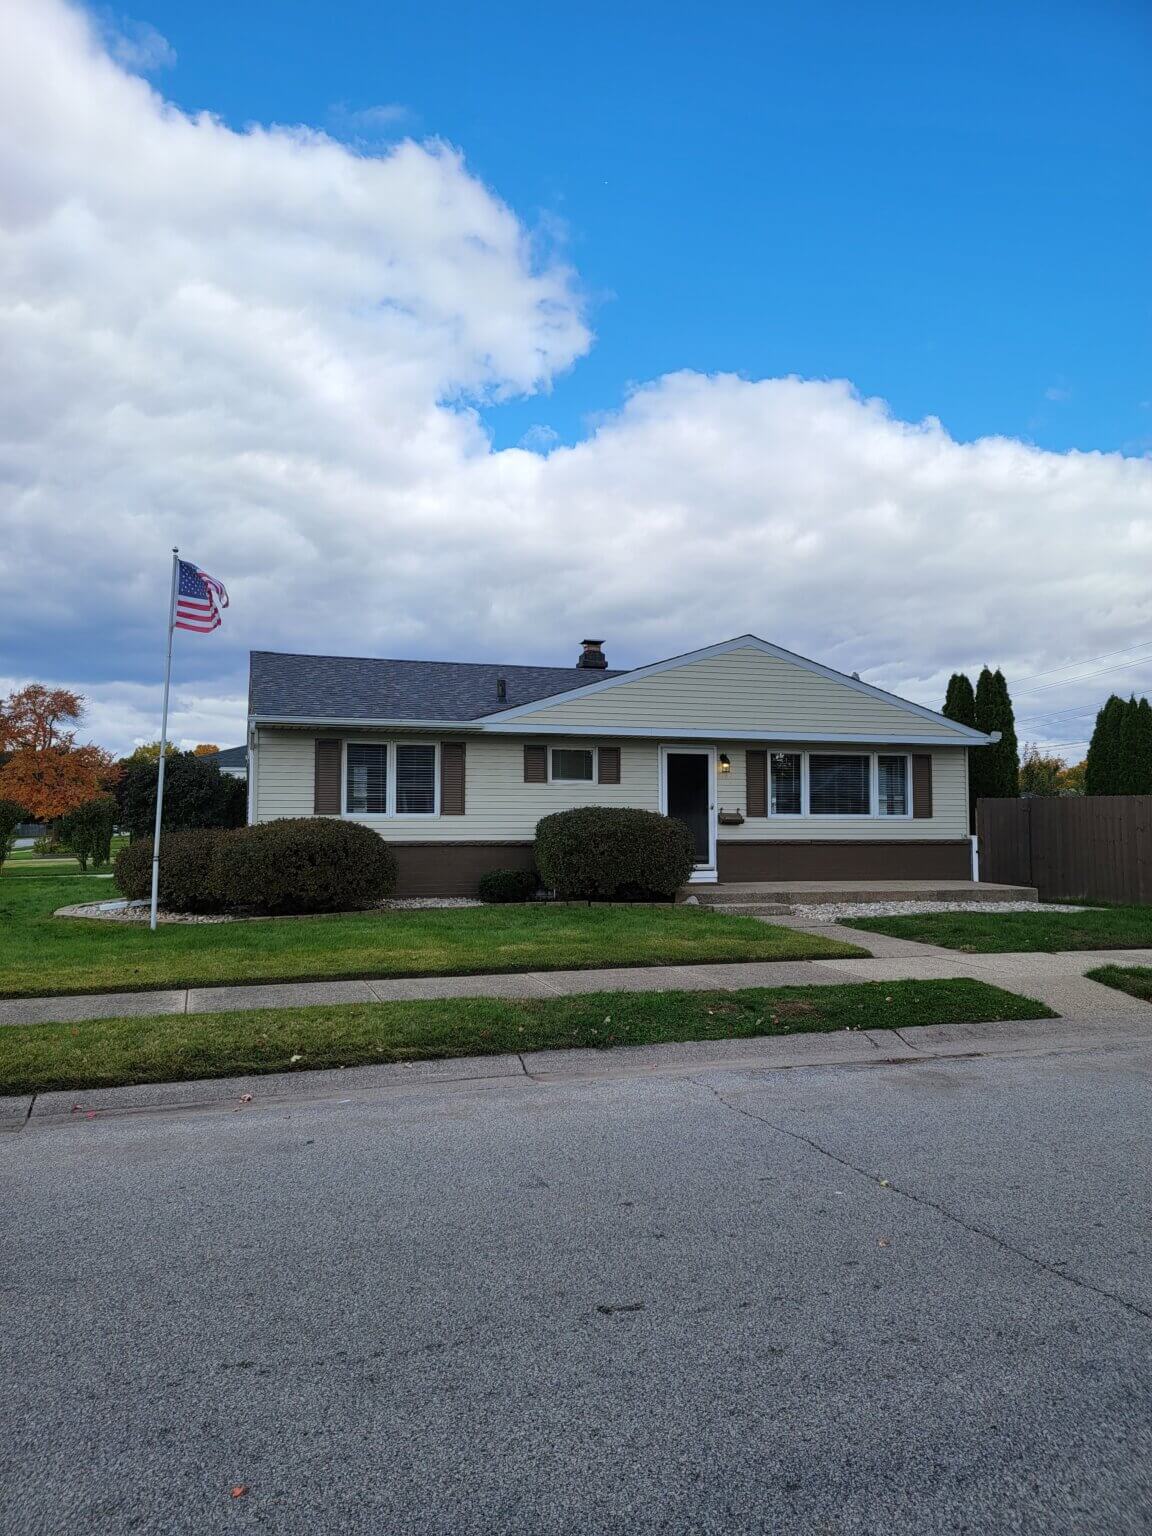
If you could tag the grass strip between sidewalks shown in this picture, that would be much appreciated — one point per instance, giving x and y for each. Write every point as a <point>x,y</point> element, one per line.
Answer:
<point>1136,980</point>
<point>105,1053</point>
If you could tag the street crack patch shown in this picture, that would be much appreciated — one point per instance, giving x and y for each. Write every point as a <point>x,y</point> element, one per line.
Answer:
<point>973,1228</point>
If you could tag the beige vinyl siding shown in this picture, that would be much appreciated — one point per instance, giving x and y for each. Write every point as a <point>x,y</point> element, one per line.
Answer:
<point>498,804</point>
<point>743,690</point>
<point>949,805</point>
<point>501,807</point>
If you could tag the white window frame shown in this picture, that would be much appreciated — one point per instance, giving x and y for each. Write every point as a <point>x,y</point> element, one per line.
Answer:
<point>391,814</point>
<point>595,752</point>
<point>873,813</point>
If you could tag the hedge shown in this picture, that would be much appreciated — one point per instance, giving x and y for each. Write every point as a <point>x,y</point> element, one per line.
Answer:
<point>306,864</point>
<point>504,885</point>
<point>289,866</point>
<point>188,867</point>
<point>613,851</point>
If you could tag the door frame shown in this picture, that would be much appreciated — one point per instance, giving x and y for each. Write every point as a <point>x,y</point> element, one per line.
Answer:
<point>702,874</point>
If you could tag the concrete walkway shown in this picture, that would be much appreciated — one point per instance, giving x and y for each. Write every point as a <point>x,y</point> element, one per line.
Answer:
<point>1057,980</point>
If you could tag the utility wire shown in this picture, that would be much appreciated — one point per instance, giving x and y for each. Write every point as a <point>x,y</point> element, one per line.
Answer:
<point>1084,661</point>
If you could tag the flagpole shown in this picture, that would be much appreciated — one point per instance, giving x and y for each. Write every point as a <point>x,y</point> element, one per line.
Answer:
<point>163,743</point>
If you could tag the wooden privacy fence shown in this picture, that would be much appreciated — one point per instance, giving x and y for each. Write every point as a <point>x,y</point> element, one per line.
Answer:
<point>1070,847</point>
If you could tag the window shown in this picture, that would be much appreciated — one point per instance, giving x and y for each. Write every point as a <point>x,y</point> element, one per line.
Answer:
<point>415,779</point>
<point>839,784</point>
<point>784,769</point>
<point>367,780</point>
<point>573,765</point>
<point>390,779</point>
<point>891,785</point>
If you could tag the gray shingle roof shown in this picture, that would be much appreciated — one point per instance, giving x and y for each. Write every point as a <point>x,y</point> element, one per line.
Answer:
<point>229,757</point>
<point>287,687</point>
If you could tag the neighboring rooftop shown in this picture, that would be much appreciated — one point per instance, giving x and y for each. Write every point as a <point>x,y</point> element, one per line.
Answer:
<point>284,686</point>
<point>229,757</point>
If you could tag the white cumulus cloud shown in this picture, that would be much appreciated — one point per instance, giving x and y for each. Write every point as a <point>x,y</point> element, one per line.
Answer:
<point>268,348</point>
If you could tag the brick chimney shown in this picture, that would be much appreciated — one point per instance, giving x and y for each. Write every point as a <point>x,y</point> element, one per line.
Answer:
<point>591,656</point>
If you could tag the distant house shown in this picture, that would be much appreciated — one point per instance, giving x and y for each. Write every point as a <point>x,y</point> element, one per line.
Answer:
<point>232,760</point>
<point>782,768</point>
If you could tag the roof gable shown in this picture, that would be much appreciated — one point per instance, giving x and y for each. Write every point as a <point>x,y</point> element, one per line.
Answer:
<point>745,685</point>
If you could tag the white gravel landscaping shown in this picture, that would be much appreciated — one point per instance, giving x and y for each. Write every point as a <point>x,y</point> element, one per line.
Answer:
<point>138,911</point>
<point>833,912</point>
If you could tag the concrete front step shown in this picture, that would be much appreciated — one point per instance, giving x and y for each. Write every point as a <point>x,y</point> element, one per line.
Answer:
<point>785,894</point>
<point>748,908</point>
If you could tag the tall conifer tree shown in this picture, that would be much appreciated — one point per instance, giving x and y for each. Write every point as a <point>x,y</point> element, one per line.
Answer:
<point>1102,770</point>
<point>1006,752</point>
<point>981,772</point>
<point>960,701</point>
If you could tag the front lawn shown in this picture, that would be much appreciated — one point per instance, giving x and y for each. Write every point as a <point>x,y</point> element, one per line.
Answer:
<point>42,955</point>
<point>1136,980</point>
<point>105,1053</point>
<point>993,933</point>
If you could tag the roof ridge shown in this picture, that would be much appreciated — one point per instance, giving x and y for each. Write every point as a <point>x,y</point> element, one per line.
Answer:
<point>424,661</point>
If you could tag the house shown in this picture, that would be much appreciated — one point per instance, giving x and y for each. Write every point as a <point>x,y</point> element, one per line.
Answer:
<point>230,760</point>
<point>783,768</point>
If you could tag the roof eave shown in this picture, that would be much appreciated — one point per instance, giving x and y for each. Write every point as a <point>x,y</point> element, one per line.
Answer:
<point>490,727</point>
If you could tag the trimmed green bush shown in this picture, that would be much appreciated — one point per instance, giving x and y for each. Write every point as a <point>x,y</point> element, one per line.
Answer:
<point>289,866</point>
<point>189,864</point>
<point>613,851</point>
<point>502,885</point>
<point>305,864</point>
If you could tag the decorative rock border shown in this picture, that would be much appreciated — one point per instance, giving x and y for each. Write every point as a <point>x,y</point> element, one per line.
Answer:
<point>138,911</point>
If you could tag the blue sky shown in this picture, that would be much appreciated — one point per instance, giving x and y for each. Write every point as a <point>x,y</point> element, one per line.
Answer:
<point>946,204</point>
<point>466,331</point>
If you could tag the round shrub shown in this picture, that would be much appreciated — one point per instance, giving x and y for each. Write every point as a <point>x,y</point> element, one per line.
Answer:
<point>304,865</point>
<point>612,851</point>
<point>189,867</point>
<point>500,885</point>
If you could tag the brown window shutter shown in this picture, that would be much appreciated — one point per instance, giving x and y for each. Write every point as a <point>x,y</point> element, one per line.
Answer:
<point>756,769</point>
<point>451,778</point>
<point>921,785</point>
<point>535,765</point>
<point>326,800</point>
<point>609,765</point>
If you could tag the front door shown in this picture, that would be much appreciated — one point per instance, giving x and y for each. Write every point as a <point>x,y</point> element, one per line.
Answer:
<point>688,797</point>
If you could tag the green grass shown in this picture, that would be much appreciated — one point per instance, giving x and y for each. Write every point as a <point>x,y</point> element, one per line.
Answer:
<point>1136,980</point>
<point>992,933</point>
<point>26,862</point>
<point>42,955</point>
<point>105,1053</point>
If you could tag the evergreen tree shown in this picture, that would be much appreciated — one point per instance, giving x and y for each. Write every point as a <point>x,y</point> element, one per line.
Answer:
<point>981,775</point>
<point>995,770</point>
<point>1144,749</point>
<point>960,701</point>
<point>1129,767</point>
<point>1006,752</point>
<point>1102,766</point>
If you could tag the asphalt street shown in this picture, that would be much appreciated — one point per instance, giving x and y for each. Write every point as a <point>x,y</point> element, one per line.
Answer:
<point>903,1299</point>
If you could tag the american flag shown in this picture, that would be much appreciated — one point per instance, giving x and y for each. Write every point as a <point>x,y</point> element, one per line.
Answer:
<point>199,598</point>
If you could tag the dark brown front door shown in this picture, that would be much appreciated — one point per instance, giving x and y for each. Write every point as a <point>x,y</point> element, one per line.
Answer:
<point>688,798</point>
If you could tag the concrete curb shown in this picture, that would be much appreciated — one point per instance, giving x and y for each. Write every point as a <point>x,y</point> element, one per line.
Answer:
<point>844,1048</point>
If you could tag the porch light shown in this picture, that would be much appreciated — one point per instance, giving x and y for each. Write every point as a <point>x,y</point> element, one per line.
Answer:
<point>724,763</point>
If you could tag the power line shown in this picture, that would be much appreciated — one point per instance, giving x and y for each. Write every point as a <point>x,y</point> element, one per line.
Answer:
<point>1084,661</point>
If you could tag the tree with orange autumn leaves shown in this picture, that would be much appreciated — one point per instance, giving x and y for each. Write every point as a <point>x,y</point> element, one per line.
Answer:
<point>44,770</point>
